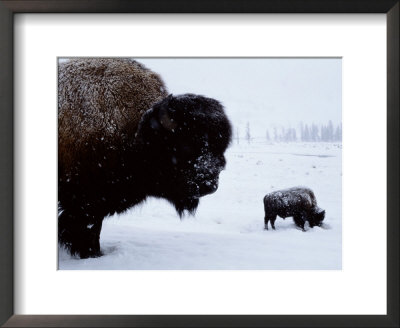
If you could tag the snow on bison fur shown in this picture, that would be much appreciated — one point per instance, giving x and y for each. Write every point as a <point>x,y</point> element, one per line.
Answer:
<point>122,139</point>
<point>298,202</point>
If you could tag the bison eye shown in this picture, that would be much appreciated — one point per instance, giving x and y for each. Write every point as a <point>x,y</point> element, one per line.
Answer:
<point>187,151</point>
<point>154,124</point>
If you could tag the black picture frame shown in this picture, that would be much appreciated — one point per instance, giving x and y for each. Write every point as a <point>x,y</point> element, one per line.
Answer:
<point>10,7</point>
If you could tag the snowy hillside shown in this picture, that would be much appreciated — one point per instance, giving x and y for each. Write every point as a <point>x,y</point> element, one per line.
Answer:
<point>227,231</point>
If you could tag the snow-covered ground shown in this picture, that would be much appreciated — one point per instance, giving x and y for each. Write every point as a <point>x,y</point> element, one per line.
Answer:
<point>227,231</point>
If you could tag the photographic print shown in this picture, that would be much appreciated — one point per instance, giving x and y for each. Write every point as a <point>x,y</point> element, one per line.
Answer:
<point>200,163</point>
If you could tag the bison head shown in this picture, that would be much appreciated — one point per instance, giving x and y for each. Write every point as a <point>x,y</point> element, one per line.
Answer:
<point>317,217</point>
<point>183,139</point>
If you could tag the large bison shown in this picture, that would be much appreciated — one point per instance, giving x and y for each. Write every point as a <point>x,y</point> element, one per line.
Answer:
<point>122,139</point>
<point>298,202</point>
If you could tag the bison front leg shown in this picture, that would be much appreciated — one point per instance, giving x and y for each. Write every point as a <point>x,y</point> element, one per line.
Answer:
<point>269,218</point>
<point>299,221</point>
<point>80,234</point>
<point>266,219</point>
<point>273,222</point>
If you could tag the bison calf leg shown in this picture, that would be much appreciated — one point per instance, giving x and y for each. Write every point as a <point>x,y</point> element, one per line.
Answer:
<point>272,220</point>
<point>299,221</point>
<point>266,219</point>
<point>80,234</point>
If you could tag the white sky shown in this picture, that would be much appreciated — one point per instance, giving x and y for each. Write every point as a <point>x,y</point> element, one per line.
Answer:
<point>265,92</point>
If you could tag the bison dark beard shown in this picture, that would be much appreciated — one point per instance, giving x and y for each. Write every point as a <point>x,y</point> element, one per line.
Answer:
<point>190,205</point>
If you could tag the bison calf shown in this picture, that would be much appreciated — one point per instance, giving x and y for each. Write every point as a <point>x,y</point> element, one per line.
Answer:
<point>298,202</point>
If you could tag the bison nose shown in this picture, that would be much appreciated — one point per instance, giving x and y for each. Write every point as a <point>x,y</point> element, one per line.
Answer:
<point>222,162</point>
<point>209,187</point>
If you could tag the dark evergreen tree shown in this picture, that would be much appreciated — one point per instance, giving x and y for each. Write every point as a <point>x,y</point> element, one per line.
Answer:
<point>306,133</point>
<point>248,136</point>
<point>329,131</point>
<point>338,133</point>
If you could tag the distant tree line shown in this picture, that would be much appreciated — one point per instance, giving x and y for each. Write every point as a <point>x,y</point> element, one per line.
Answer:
<point>306,133</point>
<point>324,133</point>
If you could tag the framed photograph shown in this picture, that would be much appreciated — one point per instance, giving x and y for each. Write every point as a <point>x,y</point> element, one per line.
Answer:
<point>199,164</point>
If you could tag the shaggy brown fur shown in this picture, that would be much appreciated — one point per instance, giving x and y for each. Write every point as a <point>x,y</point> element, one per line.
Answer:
<point>101,99</point>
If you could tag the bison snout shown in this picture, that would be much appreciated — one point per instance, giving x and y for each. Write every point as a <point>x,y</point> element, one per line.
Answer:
<point>209,187</point>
